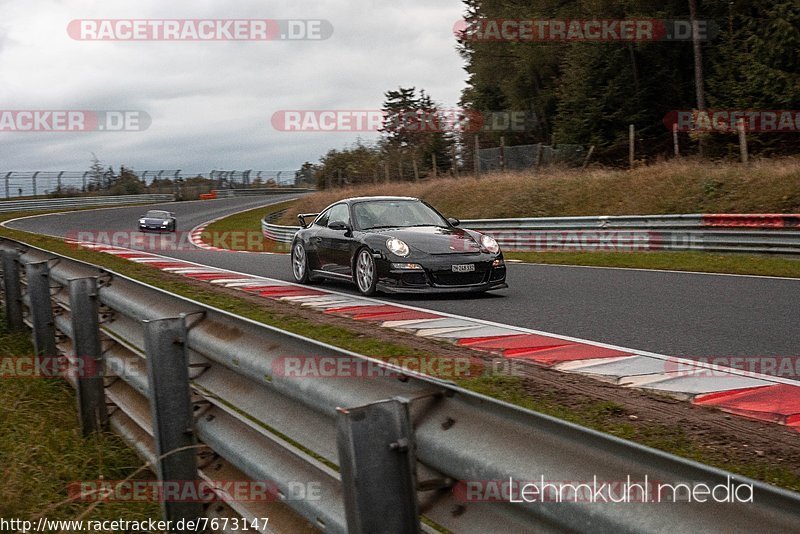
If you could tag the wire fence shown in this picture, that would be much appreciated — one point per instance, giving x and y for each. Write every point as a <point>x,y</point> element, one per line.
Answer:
<point>522,157</point>
<point>20,184</point>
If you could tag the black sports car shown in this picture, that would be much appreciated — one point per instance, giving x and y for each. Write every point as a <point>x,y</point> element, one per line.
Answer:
<point>158,221</point>
<point>395,245</point>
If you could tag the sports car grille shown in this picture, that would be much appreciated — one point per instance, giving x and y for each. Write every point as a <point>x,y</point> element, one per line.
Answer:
<point>444,278</point>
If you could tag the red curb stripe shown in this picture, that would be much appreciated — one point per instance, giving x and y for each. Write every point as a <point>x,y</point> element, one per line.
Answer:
<point>357,310</point>
<point>512,342</point>
<point>218,276</point>
<point>289,291</point>
<point>168,265</point>
<point>564,353</point>
<point>779,403</point>
<point>406,315</point>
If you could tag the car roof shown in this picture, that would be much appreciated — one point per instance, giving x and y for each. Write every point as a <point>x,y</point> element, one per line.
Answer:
<point>362,199</point>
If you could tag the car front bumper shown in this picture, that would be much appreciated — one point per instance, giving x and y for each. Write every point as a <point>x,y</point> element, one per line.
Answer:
<point>437,276</point>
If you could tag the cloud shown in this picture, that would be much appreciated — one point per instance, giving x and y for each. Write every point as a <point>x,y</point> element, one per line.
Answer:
<point>211,102</point>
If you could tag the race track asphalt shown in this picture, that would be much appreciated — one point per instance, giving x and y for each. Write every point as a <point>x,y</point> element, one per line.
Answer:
<point>680,314</point>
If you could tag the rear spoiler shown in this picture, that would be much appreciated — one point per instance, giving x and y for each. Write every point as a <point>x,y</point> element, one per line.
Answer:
<point>302,218</point>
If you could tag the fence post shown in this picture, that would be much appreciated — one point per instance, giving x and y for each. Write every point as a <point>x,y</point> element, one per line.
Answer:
<point>377,462</point>
<point>171,410</point>
<point>88,353</point>
<point>415,166</point>
<point>631,145</point>
<point>58,181</point>
<point>477,157</point>
<point>455,161</point>
<point>433,165</point>
<point>742,140</point>
<point>84,181</point>
<point>13,291</point>
<point>33,179</point>
<point>44,330</point>
<point>502,155</point>
<point>8,193</point>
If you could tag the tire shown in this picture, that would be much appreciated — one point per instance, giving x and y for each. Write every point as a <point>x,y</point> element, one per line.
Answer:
<point>174,226</point>
<point>365,273</point>
<point>299,260</point>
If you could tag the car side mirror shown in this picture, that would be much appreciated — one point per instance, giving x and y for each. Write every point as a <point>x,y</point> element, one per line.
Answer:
<point>339,225</point>
<point>453,221</point>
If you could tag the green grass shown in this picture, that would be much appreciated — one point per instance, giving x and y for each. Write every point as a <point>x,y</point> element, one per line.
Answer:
<point>705,262</point>
<point>42,450</point>
<point>609,417</point>
<point>602,416</point>
<point>242,231</point>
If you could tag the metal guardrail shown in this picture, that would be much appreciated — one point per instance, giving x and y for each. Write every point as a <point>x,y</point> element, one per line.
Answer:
<point>56,203</point>
<point>255,191</point>
<point>178,372</point>
<point>776,234</point>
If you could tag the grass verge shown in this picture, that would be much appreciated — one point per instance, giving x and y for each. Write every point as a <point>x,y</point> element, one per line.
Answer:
<point>242,231</point>
<point>599,415</point>
<point>42,450</point>
<point>684,186</point>
<point>704,262</point>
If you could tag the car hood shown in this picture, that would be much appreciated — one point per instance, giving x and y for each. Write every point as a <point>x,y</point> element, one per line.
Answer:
<point>434,239</point>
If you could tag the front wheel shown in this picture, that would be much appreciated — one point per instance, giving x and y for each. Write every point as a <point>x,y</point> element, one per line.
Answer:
<point>300,264</point>
<point>366,275</point>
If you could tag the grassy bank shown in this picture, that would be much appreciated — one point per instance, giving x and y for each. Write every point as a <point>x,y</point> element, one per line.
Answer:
<point>42,450</point>
<point>769,186</point>
<point>703,262</point>
<point>242,231</point>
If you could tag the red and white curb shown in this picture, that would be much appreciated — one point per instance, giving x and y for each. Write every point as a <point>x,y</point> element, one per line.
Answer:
<point>196,239</point>
<point>758,396</point>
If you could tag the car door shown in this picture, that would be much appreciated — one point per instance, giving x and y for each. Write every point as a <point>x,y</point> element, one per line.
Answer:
<point>334,243</point>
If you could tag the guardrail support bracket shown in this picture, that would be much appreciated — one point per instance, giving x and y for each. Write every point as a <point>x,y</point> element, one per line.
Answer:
<point>12,290</point>
<point>41,309</point>
<point>377,462</point>
<point>171,409</point>
<point>88,353</point>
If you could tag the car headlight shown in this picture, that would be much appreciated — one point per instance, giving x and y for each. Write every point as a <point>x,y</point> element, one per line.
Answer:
<point>489,244</point>
<point>397,247</point>
<point>141,221</point>
<point>165,222</point>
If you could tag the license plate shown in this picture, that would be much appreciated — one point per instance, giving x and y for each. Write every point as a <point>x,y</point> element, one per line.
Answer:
<point>467,268</point>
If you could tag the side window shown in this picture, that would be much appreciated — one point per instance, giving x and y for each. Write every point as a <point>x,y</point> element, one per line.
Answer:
<point>322,220</point>
<point>339,213</point>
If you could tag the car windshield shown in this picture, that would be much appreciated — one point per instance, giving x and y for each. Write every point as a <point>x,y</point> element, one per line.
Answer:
<point>154,214</point>
<point>395,214</point>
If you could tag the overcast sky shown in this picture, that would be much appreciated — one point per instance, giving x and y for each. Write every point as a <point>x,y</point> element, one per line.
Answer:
<point>211,102</point>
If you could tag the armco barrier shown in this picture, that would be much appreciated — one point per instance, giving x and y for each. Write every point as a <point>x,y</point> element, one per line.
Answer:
<point>777,234</point>
<point>255,191</point>
<point>58,203</point>
<point>405,445</point>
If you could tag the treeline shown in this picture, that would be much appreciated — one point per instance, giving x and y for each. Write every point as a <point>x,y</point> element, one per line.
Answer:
<point>417,140</point>
<point>589,92</point>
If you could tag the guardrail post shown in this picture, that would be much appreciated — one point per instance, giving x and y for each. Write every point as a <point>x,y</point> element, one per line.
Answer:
<point>377,462</point>
<point>171,410</point>
<point>88,351</point>
<point>44,330</point>
<point>8,194</point>
<point>13,290</point>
